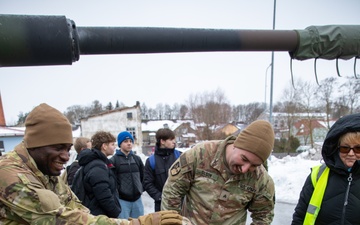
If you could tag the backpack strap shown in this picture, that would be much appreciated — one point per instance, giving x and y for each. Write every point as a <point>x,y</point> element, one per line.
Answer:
<point>177,154</point>
<point>152,161</point>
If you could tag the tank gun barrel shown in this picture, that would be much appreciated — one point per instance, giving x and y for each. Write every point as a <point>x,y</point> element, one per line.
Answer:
<point>127,40</point>
<point>30,40</point>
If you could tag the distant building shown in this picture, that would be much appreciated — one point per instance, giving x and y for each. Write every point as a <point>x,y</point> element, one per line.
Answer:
<point>224,130</point>
<point>10,137</point>
<point>301,130</point>
<point>115,121</point>
<point>184,132</point>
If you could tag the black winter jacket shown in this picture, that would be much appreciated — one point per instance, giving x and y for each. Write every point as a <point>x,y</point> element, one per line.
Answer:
<point>129,175</point>
<point>71,170</point>
<point>154,180</point>
<point>337,207</point>
<point>100,183</point>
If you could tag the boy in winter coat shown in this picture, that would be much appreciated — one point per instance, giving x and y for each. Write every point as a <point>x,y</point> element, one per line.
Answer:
<point>129,174</point>
<point>99,179</point>
<point>156,168</point>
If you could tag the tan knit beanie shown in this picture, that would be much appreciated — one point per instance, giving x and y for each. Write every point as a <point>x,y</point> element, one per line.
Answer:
<point>46,126</point>
<point>257,138</point>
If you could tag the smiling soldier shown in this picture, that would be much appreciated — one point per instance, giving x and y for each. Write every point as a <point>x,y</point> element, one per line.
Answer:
<point>31,190</point>
<point>222,180</point>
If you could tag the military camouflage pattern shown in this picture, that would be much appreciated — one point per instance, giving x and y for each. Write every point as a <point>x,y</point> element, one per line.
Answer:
<point>27,196</point>
<point>212,194</point>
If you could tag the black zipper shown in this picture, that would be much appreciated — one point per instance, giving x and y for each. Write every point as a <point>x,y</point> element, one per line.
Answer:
<point>346,198</point>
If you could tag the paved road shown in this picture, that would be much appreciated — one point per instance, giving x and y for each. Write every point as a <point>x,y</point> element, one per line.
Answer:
<point>283,214</point>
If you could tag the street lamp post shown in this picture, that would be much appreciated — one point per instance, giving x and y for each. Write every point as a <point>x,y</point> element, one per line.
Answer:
<point>272,71</point>
<point>266,86</point>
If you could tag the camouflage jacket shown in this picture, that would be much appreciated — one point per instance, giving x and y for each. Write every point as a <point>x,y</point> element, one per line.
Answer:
<point>214,196</point>
<point>27,196</point>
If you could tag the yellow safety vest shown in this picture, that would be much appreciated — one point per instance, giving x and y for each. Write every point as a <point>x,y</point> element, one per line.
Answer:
<point>319,178</point>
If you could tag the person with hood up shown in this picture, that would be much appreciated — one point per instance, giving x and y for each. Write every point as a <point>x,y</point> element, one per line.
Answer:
<point>99,179</point>
<point>129,174</point>
<point>331,193</point>
<point>31,190</point>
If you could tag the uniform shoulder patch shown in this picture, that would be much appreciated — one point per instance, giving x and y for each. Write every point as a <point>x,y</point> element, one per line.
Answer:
<point>183,160</point>
<point>175,169</point>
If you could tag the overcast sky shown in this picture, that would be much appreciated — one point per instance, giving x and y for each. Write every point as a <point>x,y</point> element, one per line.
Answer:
<point>169,78</point>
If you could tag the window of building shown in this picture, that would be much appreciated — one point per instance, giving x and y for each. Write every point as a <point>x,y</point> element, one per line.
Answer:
<point>184,130</point>
<point>2,148</point>
<point>129,115</point>
<point>131,130</point>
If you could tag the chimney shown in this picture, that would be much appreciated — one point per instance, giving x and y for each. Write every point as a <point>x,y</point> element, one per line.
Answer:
<point>2,116</point>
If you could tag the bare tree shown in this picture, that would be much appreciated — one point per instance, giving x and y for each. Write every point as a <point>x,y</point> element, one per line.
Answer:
<point>308,91</point>
<point>235,113</point>
<point>95,108</point>
<point>175,111</point>
<point>250,112</point>
<point>75,113</point>
<point>325,94</point>
<point>153,114</point>
<point>212,109</point>
<point>144,111</point>
<point>184,110</point>
<point>168,113</point>
<point>160,111</point>
<point>351,90</point>
<point>290,105</point>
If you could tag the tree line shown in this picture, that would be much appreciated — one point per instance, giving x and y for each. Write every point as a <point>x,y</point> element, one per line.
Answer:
<point>335,96</point>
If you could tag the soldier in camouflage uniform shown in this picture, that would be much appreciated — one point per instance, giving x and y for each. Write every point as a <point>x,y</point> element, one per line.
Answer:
<point>31,190</point>
<point>217,182</point>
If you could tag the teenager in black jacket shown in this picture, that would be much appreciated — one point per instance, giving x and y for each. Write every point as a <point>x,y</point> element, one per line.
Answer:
<point>99,178</point>
<point>156,168</point>
<point>129,175</point>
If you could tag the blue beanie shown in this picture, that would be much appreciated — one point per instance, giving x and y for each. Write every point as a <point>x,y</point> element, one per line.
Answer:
<point>123,136</point>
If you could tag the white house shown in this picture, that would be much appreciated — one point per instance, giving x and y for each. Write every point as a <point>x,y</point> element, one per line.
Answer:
<point>10,137</point>
<point>115,121</point>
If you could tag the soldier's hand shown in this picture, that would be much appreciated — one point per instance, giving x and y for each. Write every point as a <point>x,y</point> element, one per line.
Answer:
<point>161,218</point>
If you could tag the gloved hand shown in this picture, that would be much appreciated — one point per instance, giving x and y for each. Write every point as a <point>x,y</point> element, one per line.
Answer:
<point>161,218</point>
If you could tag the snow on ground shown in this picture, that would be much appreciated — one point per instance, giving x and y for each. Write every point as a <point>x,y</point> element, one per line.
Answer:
<point>289,175</point>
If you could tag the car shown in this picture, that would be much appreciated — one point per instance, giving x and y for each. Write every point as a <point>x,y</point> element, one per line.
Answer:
<point>303,148</point>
